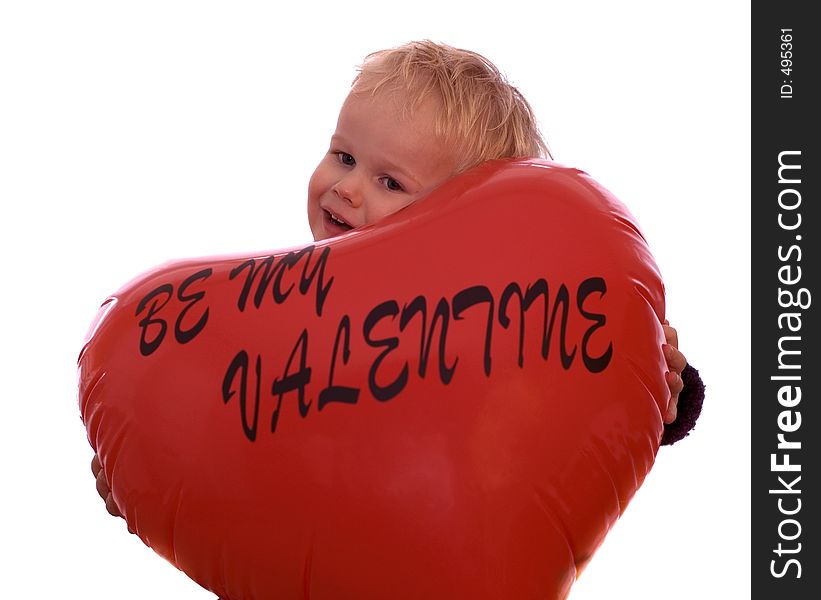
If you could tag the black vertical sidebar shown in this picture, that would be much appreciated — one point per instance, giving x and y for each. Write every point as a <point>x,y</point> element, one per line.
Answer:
<point>785,370</point>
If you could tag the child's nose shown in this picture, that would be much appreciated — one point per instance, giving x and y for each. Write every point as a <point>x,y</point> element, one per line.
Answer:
<point>350,190</point>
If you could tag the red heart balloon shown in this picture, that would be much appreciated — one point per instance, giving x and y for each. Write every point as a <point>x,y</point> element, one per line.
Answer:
<point>455,402</point>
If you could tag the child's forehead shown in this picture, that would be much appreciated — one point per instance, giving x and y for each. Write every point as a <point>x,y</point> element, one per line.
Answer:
<point>397,108</point>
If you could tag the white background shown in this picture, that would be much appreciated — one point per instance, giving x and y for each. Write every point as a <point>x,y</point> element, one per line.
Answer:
<point>136,132</point>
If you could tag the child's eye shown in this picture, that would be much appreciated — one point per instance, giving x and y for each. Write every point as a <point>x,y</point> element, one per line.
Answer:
<point>346,159</point>
<point>392,184</point>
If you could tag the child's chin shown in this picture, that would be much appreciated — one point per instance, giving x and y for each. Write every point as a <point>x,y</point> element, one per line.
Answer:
<point>331,229</point>
<point>326,234</point>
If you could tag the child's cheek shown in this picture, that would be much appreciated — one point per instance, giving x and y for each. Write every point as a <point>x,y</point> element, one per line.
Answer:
<point>388,208</point>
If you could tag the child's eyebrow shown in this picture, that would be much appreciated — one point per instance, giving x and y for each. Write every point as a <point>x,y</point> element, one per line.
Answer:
<point>337,140</point>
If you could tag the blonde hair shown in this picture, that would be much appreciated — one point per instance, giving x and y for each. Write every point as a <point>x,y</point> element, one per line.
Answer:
<point>481,113</point>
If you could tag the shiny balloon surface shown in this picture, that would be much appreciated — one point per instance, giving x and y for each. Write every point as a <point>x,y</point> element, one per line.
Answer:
<point>455,402</point>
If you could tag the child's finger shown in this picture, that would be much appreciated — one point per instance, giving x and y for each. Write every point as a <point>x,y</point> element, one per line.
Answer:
<point>670,334</point>
<point>676,361</point>
<point>102,485</point>
<point>672,413</point>
<point>111,507</point>
<point>676,384</point>
<point>105,493</point>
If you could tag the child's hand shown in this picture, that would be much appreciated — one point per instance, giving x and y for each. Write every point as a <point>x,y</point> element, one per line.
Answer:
<point>675,363</point>
<point>102,487</point>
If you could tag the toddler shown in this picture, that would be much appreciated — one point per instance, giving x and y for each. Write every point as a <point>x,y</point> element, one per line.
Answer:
<point>415,116</point>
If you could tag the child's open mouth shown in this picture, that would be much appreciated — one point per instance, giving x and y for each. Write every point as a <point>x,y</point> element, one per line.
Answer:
<point>336,223</point>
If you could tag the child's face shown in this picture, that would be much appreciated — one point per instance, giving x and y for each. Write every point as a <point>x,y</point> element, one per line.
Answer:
<point>379,161</point>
